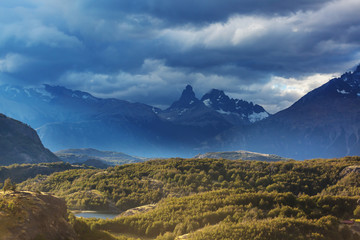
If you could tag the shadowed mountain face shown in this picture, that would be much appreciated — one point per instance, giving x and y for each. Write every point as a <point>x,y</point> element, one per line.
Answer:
<point>187,99</point>
<point>20,144</point>
<point>73,119</point>
<point>323,123</point>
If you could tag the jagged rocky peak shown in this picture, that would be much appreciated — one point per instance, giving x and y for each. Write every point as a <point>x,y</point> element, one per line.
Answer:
<point>187,99</point>
<point>353,79</point>
<point>357,71</point>
<point>219,101</point>
<point>346,86</point>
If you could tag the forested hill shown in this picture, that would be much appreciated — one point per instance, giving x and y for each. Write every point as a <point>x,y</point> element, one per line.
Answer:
<point>217,199</point>
<point>21,172</point>
<point>132,185</point>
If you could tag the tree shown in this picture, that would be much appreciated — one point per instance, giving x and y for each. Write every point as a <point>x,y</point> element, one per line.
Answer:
<point>357,212</point>
<point>8,185</point>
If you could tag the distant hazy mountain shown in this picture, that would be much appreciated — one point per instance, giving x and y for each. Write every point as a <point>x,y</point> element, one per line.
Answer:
<point>243,155</point>
<point>73,119</point>
<point>323,123</point>
<point>66,118</point>
<point>86,155</point>
<point>20,144</point>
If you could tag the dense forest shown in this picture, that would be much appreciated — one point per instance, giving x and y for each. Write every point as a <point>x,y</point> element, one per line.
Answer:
<point>21,172</point>
<point>214,199</point>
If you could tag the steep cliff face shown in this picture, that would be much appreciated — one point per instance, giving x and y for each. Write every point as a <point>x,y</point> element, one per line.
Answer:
<point>30,216</point>
<point>20,144</point>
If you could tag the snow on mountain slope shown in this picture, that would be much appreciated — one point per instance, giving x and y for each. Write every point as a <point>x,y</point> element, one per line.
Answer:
<point>245,111</point>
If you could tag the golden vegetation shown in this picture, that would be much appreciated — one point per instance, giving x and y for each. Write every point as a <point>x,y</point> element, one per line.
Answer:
<point>217,199</point>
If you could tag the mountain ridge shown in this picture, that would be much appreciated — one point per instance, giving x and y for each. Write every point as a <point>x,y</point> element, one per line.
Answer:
<point>21,144</point>
<point>66,118</point>
<point>247,111</point>
<point>323,123</point>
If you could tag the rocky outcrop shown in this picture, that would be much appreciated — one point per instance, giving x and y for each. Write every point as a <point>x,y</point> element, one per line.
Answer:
<point>348,170</point>
<point>243,155</point>
<point>30,216</point>
<point>137,210</point>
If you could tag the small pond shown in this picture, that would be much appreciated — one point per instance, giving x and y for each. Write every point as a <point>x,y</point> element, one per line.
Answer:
<point>95,214</point>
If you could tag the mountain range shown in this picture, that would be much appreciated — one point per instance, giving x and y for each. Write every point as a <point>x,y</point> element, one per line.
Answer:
<point>323,123</point>
<point>65,118</point>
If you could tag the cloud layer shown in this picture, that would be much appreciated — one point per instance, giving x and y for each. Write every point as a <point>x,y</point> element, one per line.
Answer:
<point>269,52</point>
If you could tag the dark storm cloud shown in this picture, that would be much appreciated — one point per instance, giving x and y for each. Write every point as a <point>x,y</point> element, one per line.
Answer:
<point>270,52</point>
<point>294,44</point>
<point>200,11</point>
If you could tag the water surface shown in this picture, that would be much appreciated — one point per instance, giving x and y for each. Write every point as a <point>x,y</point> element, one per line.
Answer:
<point>95,214</point>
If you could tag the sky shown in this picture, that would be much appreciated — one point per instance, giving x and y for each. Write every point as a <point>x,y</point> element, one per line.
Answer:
<point>270,52</point>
